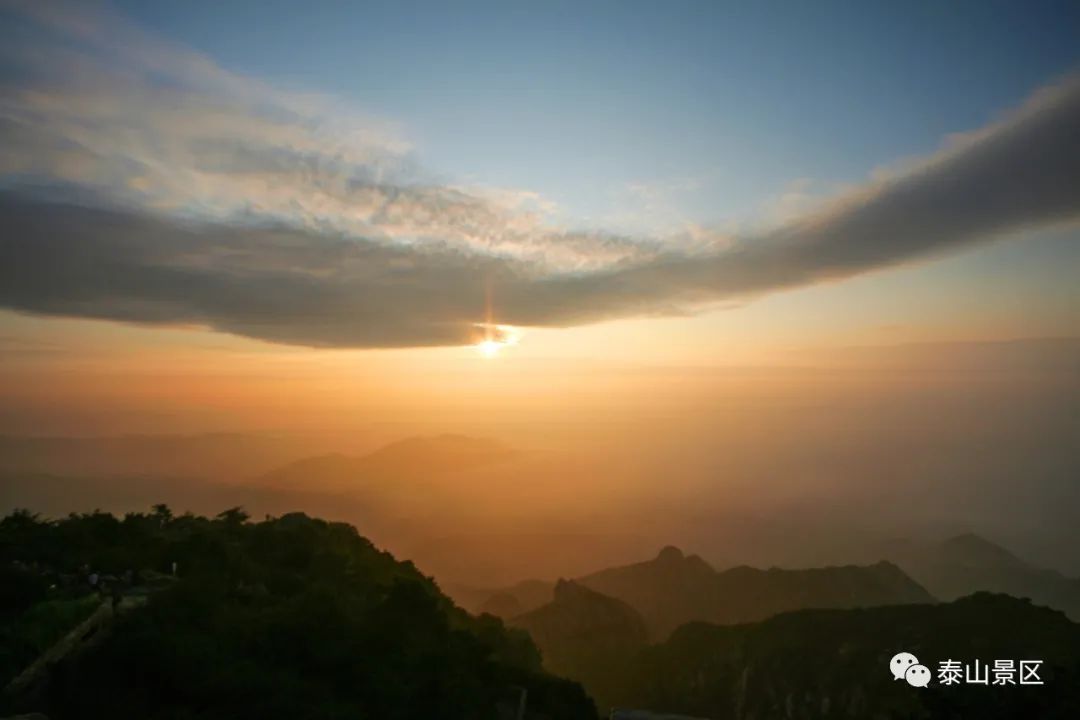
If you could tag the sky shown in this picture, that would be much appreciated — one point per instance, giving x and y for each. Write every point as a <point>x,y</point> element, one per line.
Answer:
<point>756,251</point>
<point>564,165</point>
<point>704,112</point>
<point>624,183</point>
<point>574,101</point>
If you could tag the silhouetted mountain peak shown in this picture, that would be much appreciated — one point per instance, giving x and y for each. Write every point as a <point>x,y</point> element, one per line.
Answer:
<point>969,563</point>
<point>577,606</point>
<point>582,630</point>
<point>502,605</point>
<point>675,559</point>
<point>887,567</point>
<point>670,554</point>
<point>569,591</point>
<point>972,549</point>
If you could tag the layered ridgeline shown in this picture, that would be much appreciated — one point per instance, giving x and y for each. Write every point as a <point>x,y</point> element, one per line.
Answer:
<point>811,663</point>
<point>287,618</point>
<point>411,458</point>
<point>208,456</point>
<point>969,563</point>
<point>384,490</point>
<point>593,629</point>
<point>265,460</point>
<point>673,589</point>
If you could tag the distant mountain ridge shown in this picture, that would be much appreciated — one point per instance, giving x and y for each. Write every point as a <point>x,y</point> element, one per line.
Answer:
<point>968,563</point>
<point>971,549</point>
<point>207,456</point>
<point>416,457</point>
<point>673,589</point>
<point>218,457</point>
<point>403,479</point>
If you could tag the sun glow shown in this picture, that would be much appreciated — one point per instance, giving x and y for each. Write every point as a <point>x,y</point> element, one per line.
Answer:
<point>496,338</point>
<point>489,348</point>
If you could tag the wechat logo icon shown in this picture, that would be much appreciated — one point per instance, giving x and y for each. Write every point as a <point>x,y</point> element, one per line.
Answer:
<point>905,666</point>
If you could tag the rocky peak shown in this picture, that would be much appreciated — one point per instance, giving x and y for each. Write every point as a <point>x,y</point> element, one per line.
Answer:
<point>670,554</point>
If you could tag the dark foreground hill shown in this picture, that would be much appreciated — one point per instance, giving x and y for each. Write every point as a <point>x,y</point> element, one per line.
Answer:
<point>288,618</point>
<point>835,664</point>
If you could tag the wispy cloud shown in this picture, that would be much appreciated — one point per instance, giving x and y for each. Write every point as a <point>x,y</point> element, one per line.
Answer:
<point>92,100</point>
<point>141,182</point>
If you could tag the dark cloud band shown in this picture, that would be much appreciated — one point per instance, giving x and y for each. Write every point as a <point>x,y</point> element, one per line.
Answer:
<point>301,286</point>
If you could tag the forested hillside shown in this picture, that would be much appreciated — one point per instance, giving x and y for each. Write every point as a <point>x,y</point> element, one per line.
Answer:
<point>835,664</point>
<point>290,617</point>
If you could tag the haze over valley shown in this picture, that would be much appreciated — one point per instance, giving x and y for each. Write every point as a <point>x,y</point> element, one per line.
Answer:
<point>539,361</point>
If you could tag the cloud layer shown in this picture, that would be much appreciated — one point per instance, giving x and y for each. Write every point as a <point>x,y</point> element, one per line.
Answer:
<point>179,193</point>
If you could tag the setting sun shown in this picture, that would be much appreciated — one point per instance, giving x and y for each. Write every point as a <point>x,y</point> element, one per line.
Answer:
<point>489,348</point>
<point>496,337</point>
<point>582,360</point>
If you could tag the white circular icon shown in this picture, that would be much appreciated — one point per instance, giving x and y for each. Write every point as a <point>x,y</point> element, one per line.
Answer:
<point>918,676</point>
<point>900,663</point>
